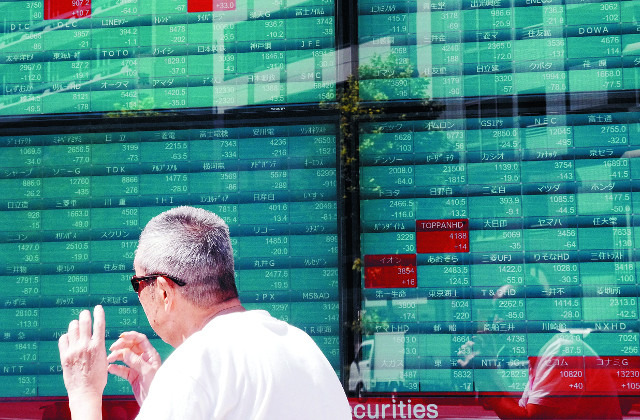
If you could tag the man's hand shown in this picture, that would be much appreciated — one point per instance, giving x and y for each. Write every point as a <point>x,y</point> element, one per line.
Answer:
<point>143,361</point>
<point>84,364</point>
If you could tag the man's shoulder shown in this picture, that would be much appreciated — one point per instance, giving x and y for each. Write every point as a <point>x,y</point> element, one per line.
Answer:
<point>254,331</point>
<point>254,354</point>
<point>249,322</point>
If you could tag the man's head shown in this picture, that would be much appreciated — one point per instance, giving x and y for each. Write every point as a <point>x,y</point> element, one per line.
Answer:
<point>192,245</point>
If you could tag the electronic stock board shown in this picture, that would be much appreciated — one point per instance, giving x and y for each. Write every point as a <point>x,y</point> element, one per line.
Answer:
<point>510,214</point>
<point>62,56</point>
<point>74,204</point>
<point>76,195</point>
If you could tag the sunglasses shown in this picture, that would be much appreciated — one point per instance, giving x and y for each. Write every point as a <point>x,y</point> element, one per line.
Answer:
<point>136,280</point>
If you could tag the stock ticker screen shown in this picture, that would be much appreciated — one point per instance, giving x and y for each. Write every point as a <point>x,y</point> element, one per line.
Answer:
<point>493,239</point>
<point>74,204</point>
<point>496,47</point>
<point>67,56</point>
<point>509,229</point>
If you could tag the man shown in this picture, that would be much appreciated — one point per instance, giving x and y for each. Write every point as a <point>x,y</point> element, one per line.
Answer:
<point>229,363</point>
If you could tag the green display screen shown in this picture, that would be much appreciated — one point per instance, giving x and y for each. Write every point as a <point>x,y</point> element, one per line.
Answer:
<point>515,227</point>
<point>468,48</point>
<point>504,220</point>
<point>74,204</point>
<point>63,56</point>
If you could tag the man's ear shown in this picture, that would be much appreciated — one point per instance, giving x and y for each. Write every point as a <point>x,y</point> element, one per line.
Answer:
<point>167,292</point>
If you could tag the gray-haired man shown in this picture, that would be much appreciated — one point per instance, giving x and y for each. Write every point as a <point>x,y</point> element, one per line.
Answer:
<point>229,363</point>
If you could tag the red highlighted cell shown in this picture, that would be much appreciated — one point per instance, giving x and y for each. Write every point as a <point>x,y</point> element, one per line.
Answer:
<point>442,236</point>
<point>625,371</point>
<point>67,9</point>
<point>194,6</point>
<point>588,375</point>
<point>390,270</point>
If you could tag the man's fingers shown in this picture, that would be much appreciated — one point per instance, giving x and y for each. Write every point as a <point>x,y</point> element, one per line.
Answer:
<point>132,359</point>
<point>84,326</point>
<point>119,370</point>
<point>131,339</point>
<point>98,324</point>
<point>137,343</point>
<point>63,344</point>
<point>120,344</point>
<point>147,347</point>
<point>146,357</point>
<point>72,333</point>
<point>116,356</point>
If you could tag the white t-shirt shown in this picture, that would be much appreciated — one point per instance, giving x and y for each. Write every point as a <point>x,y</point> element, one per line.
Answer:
<point>244,366</point>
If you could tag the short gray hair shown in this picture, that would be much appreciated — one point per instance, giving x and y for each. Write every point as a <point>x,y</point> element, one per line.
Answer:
<point>191,244</point>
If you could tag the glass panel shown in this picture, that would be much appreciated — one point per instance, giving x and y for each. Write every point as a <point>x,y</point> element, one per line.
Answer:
<point>63,56</point>
<point>75,203</point>
<point>498,223</point>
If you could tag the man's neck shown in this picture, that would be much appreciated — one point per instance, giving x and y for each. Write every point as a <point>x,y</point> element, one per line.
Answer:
<point>228,306</point>
<point>199,318</point>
